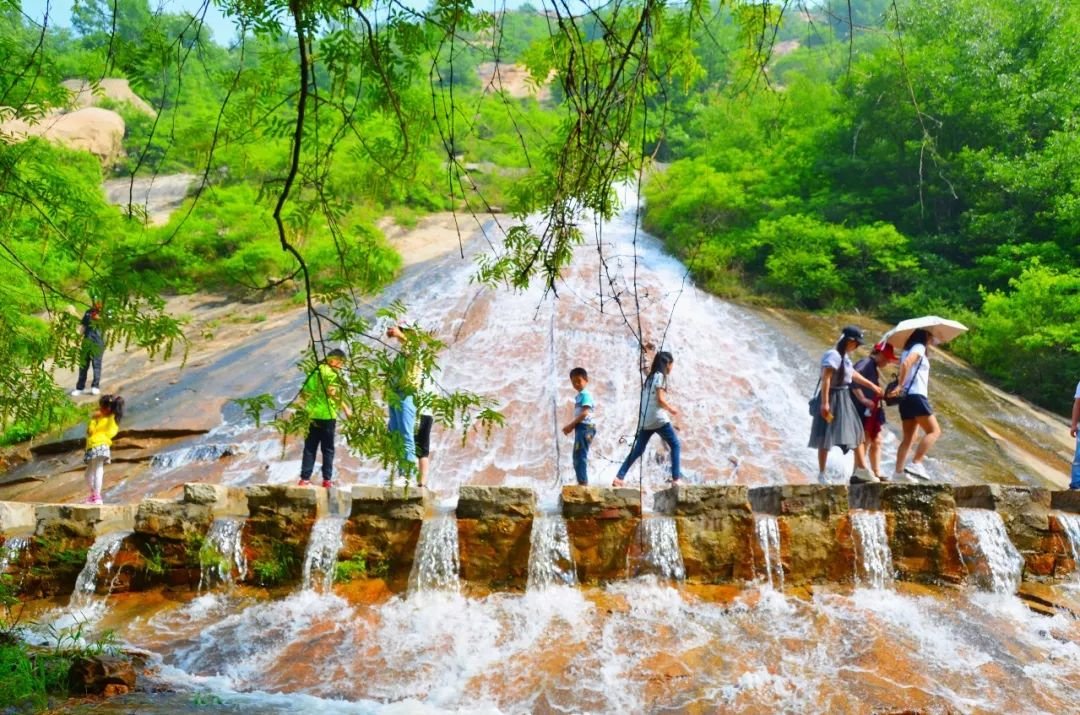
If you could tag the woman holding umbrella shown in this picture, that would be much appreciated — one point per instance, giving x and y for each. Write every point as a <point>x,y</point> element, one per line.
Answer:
<point>837,423</point>
<point>913,384</point>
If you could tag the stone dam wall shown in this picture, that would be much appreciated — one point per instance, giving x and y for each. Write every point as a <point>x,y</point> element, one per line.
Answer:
<point>166,544</point>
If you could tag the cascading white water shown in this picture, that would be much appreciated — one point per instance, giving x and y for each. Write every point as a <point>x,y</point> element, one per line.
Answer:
<point>99,558</point>
<point>9,552</point>
<point>222,553</point>
<point>321,556</point>
<point>550,561</point>
<point>165,461</point>
<point>1071,524</point>
<point>660,554</point>
<point>873,559</point>
<point>435,567</point>
<point>1001,566</point>
<point>768,534</point>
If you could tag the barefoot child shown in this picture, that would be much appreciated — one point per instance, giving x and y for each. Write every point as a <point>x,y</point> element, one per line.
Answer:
<point>582,425</point>
<point>655,418</point>
<point>100,431</point>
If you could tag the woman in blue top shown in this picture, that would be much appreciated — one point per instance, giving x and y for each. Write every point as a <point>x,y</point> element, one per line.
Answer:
<point>837,423</point>
<point>913,383</point>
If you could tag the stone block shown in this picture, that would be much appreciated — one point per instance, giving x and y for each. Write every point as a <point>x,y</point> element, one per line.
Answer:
<point>716,530</point>
<point>1067,500</point>
<point>277,531</point>
<point>101,675</point>
<point>601,524</point>
<point>921,524</point>
<point>815,532</point>
<point>84,520</point>
<point>600,502</point>
<point>173,520</point>
<point>481,502</point>
<point>17,518</point>
<point>407,503</point>
<point>222,500</point>
<point>493,551</point>
<point>1065,565</point>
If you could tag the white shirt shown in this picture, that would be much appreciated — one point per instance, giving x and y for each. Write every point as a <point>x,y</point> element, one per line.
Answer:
<point>919,381</point>
<point>1077,395</point>
<point>653,416</point>
<point>832,359</point>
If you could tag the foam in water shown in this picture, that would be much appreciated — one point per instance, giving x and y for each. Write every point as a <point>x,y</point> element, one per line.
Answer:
<point>321,556</point>
<point>98,558</point>
<point>222,553</point>
<point>768,534</point>
<point>435,567</point>
<point>660,554</point>
<point>550,561</point>
<point>1071,524</point>
<point>1001,566</point>
<point>872,555</point>
<point>11,549</point>
<point>166,461</point>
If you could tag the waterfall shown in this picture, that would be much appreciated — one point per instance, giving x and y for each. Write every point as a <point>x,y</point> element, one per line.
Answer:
<point>100,556</point>
<point>550,560</point>
<point>660,554</point>
<point>322,552</point>
<point>436,565</point>
<point>768,533</point>
<point>1071,524</point>
<point>11,549</point>
<point>222,552</point>
<point>873,560</point>
<point>1001,565</point>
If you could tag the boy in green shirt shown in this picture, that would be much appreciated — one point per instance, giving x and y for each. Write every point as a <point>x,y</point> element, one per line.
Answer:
<point>321,399</point>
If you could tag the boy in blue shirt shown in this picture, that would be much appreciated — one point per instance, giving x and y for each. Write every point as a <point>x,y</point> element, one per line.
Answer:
<point>582,424</point>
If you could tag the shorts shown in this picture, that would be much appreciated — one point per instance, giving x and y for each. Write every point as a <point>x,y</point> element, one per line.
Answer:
<point>102,451</point>
<point>423,436</point>
<point>913,406</point>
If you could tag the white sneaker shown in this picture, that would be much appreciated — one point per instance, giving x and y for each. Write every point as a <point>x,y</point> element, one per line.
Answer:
<point>863,476</point>
<point>897,478</point>
<point>821,478</point>
<point>95,391</point>
<point>75,393</point>
<point>917,470</point>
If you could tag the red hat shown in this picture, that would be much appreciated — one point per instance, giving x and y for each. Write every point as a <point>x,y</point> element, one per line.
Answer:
<point>886,349</point>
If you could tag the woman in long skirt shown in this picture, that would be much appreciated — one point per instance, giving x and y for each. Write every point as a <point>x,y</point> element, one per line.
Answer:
<point>837,422</point>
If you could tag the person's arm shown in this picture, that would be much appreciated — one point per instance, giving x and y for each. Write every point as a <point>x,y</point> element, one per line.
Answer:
<point>826,384</point>
<point>569,426</point>
<point>1075,417</point>
<point>905,368</point>
<point>857,377</point>
<point>113,428</point>
<point>661,399</point>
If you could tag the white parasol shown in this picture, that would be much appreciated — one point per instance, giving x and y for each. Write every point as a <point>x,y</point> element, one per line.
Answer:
<point>943,330</point>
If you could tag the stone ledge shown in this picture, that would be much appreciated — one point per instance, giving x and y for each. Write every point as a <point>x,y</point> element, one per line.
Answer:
<point>265,497</point>
<point>699,499</point>
<point>479,502</point>
<point>409,503</point>
<point>600,502</point>
<point>17,518</point>
<point>997,496</point>
<point>223,500</point>
<point>1067,500</point>
<point>800,499</point>
<point>86,519</point>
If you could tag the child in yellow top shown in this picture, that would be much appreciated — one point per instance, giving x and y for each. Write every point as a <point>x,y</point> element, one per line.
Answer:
<point>100,431</point>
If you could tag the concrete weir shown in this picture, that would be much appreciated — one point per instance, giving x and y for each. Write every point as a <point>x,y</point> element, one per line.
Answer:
<point>167,544</point>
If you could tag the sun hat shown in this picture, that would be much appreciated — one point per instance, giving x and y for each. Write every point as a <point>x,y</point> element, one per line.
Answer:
<point>851,332</point>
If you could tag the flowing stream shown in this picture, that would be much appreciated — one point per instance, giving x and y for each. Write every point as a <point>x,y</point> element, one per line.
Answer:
<point>222,553</point>
<point>98,559</point>
<point>550,561</point>
<point>660,554</point>
<point>768,534</point>
<point>1071,524</point>
<point>10,551</point>
<point>435,567</point>
<point>872,554</point>
<point>999,565</point>
<point>321,556</point>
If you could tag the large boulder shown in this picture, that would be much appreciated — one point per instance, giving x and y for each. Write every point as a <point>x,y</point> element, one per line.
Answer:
<point>87,94</point>
<point>98,131</point>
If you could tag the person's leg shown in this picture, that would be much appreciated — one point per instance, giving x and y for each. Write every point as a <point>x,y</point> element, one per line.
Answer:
<point>84,367</point>
<point>328,429</point>
<point>408,428</point>
<point>822,459</point>
<point>1074,482</point>
<point>583,435</point>
<point>98,464</point>
<point>668,434</point>
<point>930,426</point>
<point>874,446</point>
<point>640,441</point>
<point>89,476</point>
<point>96,354</point>
<point>423,447</point>
<point>311,445</point>
<point>909,427</point>
<point>860,456</point>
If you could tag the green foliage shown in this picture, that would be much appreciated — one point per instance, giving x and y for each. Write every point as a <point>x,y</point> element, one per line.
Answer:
<point>276,567</point>
<point>153,559</point>
<point>355,567</point>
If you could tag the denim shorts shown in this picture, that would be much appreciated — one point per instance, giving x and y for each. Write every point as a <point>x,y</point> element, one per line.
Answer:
<point>913,406</point>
